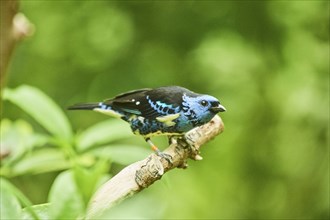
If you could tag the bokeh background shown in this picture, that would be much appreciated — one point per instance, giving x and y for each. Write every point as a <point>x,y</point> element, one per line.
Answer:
<point>267,61</point>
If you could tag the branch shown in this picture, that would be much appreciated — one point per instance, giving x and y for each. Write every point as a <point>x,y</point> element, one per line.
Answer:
<point>13,28</point>
<point>139,175</point>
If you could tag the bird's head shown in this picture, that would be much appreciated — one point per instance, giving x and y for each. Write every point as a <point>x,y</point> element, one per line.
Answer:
<point>203,107</point>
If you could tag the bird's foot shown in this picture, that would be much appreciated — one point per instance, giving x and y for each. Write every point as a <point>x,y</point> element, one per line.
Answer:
<point>160,153</point>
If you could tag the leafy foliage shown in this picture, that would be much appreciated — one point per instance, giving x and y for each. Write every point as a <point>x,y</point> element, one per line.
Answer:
<point>42,109</point>
<point>81,166</point>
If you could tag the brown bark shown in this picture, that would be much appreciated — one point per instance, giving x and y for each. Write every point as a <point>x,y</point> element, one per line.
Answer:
<point>14,26</point>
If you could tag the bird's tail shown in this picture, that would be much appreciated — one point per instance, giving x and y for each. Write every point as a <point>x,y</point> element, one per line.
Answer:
<point>84,106</point>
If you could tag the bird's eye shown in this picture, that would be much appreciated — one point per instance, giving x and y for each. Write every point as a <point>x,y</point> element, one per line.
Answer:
<point>204,103</point>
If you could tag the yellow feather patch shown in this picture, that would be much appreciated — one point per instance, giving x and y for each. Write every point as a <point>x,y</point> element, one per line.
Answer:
<point>157,133</point>
<point>168,119</point>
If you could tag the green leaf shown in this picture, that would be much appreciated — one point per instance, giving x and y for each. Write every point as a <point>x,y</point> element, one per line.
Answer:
<point>122,154</point>
<point>41,161</point>
<point>9,204</point>
<point>42,210</point>
<point>18,137</point>
<point>42,108</point>
<point>66,201</point>
<point>88,178</point>
<point>103,132</point>
<point>6,187</point>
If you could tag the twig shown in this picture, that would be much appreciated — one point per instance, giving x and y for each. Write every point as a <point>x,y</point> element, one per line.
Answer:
<point>142,174</point>
<point>14,26</point>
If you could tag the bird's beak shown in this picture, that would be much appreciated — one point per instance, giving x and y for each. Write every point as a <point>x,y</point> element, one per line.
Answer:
<point>218,108</point>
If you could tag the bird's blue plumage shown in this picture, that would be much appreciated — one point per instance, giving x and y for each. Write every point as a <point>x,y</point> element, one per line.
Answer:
<point>170,110</point>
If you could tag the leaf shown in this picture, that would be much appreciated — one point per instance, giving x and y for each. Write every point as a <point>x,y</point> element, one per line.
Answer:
<point>42,108</point>
<point>9,204</point>
<point>122,154</point>
<point>41,161</point>
<point>103,132</point>
<point>18,137</point>
<point>42,210</point>
<point>7,187</point>
<point>88,178</point>
<point>66,201</point>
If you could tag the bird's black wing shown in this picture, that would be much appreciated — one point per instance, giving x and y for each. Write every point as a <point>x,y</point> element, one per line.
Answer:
<point>150,103</point>
<point>127,101</point>
<point>131,94</point>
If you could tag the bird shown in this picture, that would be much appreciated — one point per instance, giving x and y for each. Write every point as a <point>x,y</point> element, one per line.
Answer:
<point>167,110</point>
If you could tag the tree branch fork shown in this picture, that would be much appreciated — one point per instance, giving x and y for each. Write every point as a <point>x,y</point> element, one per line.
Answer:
<point>141,174</point>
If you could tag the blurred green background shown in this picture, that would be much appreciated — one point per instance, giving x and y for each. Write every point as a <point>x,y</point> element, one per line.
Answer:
<point>267,62</point>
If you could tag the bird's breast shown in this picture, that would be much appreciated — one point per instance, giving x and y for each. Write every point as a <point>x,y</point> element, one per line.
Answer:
<point>163,125</point>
